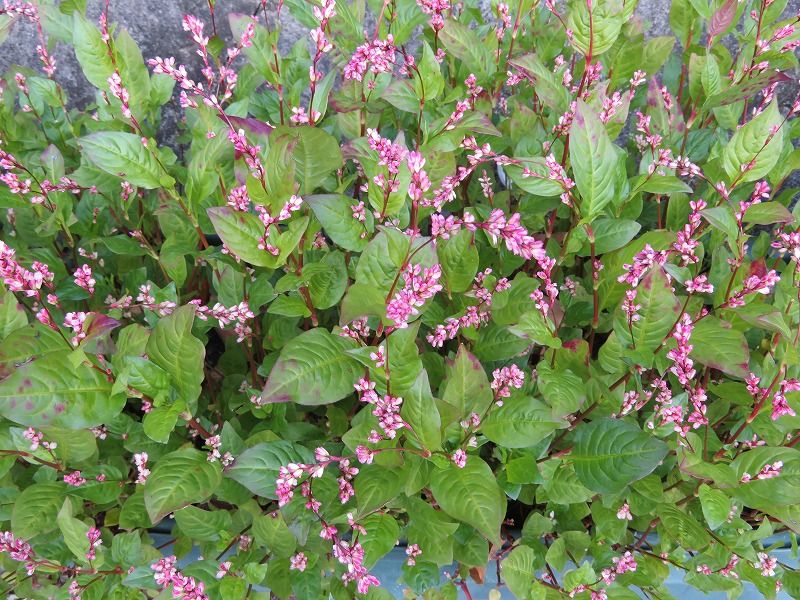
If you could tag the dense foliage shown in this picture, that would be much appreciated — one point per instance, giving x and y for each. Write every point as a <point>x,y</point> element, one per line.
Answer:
<point>515,286</point>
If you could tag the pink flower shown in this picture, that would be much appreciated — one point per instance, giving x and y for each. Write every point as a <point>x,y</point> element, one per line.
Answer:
<point>298,562</point>
<point>625,563</point>
<point>412,551</point>
<point>767,564</point>
<point>84,279</point>
<point>74,479</point>
<point>140,461</point>
<point>420,285</point>
<point>376,55</point>
<point>459,458</point>
<point>506,378</point>
<point>624,513</point>
<point>238,198</point>
<point>364,454</point>
<point>93,535</point>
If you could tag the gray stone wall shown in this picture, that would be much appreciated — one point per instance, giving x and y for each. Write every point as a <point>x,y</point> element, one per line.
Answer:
<point>156,26</point>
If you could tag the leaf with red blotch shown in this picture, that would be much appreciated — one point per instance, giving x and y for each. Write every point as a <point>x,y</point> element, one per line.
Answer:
<point>722,18</point>
<point>250,125</point>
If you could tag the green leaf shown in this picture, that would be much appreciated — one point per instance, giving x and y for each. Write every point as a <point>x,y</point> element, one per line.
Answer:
<point>327,280</point>
<point>431,530</point>
<point>313,368</point>
<point>203,525</point>
<point>767,213</point>
<point>659,311</point>
<point>420,412</point>
<point>716,505</point>
<point>548,89</point>
<point>463,43</point>
<point>270,530</point>
<point>36,508</point>
<point>471,495</point>
<point>74,532</point>
<point>520,423</point>
<point>594,33</point>
<point>563,390</point>
<point>610,234</point>
<point>722,218</point>
<point>91,51</point>
<point>718,346</point>
<point>682,527</point>
<point>257,468</point>
<point>609,454</point>
<point>123,155</point>
<point>659,184</point>
<point>375,485</point>
<point>382,535</point>
<point>179,479</point>
<point>765,494</point>
<point>533,327</point>
<point>458,257</point>
<point>46,392</point>
<point>594,162</point>
<point>380,263</point>
<point>242,233</point>
<point>498,343</point>
<point>519,571</point>
<point>754,142</point>
<point>466,385</point>
<point>315,152</point>
<point>12,314</point>
<point>172,347</point>
<point>430,82</point>
<point>336,216</point>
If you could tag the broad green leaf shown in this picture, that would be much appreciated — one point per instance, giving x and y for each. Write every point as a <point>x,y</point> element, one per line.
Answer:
<point>327,279</point>
<point>659,311</point>
<point>722,218</point>
<point>755,142</point>
<point>533,327</point>
<point>172,347</point>
<point>658,184</point>
<point>519,571</point>
<point>764,494</point>
<point>683,528</point>
<point>257,468</point>
<point>123,155</point>
<point>458,257</point>
<point>384,256</point>
<point>12,314</point>
<point>610,454</point>
<point>313,368</point>
<point>716,505</point>
<point>375,485</point>
<point>497,343</point>
<point>270,530</point>
<point>383,533</point>
<point>36,509</point>
<point>538,186</point>
<point>431,530</point>
<point>609,235</point>
<point>466,385</point>
<point>471,495</point>
<point>563,390</point>
<point>203,525</point>
<point>595,26</point>
<point>520,423</point>
<point>420,412</point>
<point>463,43</point>
<point>47,392</point>
<point>593,160</point>
<point>548,88</point>
<point>430,82</point>
<point>179,479</point>
<point>315,152</point>
<point>336,215</point>
<point>74,532</point>
<point>717,345</point>
<point>91,51</point>
<point>243,232</point>
<point>767,213</point>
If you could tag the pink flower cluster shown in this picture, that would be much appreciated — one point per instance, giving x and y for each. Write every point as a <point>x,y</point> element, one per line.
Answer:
<point>239,315</point>
<point>19,279</point>
<point>74,479</point>
<point>622,564</point>
<point>84,279</point>
<point>377,56</point>
<point>183,587</point>
<point>436,9</point>
<point>474,316</point>
<point>18,550</point>
<point>420,284</point>
<point>93,535</point>
<point>36,439</point>
<point>387,409</point>
<point>780,407</point>
<point>506,378</point>
<point>140,461</point>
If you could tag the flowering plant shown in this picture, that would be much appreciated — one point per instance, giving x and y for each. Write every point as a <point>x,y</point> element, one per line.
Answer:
<point>514,286</point>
